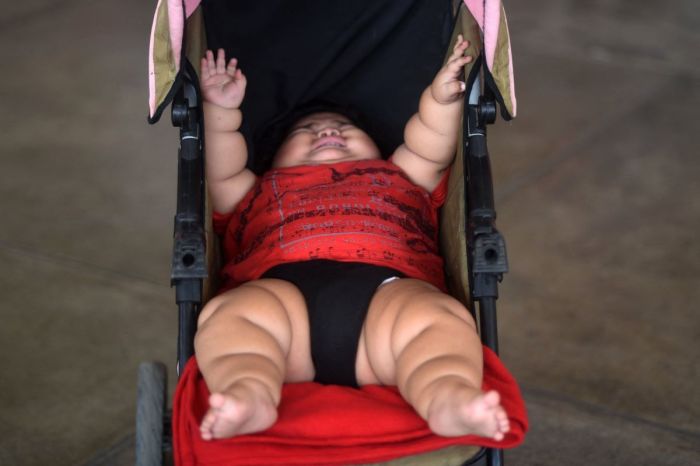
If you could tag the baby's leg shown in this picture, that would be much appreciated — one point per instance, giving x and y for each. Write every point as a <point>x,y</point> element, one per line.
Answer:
<point>426,343</point>
<point>248,342</point>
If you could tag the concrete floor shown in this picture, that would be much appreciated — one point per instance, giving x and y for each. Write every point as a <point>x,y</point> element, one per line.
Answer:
<point>597,196</point>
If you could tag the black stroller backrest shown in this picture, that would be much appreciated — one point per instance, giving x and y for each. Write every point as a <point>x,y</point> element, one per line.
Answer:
<point>373,55</point>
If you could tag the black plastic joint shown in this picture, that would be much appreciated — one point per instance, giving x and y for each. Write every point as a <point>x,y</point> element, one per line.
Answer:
<point>487,111</point>
<point>180,113</point>
<point>189,252</point>
<point>490,254</point>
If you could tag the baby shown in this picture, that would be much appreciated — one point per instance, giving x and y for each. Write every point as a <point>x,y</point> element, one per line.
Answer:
<point>334,233</point>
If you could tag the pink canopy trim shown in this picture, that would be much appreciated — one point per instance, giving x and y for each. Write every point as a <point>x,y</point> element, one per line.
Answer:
<point>176,23</point>
<point>487,14</point>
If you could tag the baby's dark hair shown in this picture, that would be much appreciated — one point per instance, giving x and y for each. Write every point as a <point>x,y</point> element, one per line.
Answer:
<point>278,129</point>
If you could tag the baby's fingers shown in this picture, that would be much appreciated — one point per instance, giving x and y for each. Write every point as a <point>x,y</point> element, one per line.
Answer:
<point>448,92</point>
<point>221,61</point>
<point>455,87</point>
<point>204,69</point>
<point>235,72</point>
<point>454,67</point>
<point>231,68</point>
<point>240,77</point>
<point>452,71</point>
<point>460,47</point>
<point>207,65</point>
<point>211,64</point>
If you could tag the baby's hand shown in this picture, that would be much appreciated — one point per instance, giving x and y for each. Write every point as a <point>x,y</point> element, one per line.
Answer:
<point>222,85</point>
<point>447,87</point>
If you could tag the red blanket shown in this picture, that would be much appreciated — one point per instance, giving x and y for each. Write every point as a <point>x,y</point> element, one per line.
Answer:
<point>331,425</point>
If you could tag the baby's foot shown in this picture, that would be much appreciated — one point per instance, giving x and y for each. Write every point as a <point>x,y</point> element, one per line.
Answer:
<point>466,411</point>
<point>239,410</point>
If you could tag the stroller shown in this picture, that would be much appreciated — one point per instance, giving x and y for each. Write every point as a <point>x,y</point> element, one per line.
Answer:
<point>300,51</point>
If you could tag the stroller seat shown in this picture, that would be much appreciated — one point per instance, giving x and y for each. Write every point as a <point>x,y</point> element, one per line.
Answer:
<point>333,425</point>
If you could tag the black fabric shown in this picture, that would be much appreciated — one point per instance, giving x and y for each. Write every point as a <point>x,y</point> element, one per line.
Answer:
<point>374,55</point>
<point>337,297</point>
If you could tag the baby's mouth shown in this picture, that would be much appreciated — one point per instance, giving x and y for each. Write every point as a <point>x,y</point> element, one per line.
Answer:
<point>329,141</point>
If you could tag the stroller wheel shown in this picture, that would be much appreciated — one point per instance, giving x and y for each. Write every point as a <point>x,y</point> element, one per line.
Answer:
<point>150,414</point>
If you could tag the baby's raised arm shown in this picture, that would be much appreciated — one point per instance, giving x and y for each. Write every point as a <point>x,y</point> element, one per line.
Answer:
<point>430,136</point>
<point>223,88</point>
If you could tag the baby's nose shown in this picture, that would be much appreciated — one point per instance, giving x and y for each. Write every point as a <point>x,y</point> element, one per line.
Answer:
<point>328,131</point>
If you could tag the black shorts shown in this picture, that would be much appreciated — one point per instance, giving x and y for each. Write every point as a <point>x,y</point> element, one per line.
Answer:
<point>337,297</point>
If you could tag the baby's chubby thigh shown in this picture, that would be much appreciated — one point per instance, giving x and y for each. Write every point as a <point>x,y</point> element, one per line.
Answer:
<point>274,309</point>
<point>398,313</point>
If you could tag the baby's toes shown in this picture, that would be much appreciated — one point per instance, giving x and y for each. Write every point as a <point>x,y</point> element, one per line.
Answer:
<point>492,399</point>
<point>206,428</point>
<point>217,400</point>
<point>502,420</point>
<point>209,419</point>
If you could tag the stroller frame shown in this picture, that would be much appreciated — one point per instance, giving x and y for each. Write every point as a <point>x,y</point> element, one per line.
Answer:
<point>486,250</point>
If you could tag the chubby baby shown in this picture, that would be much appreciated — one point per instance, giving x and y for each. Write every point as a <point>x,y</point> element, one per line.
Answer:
<point>332,265</point>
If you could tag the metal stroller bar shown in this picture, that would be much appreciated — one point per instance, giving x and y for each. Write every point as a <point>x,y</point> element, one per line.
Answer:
<point>189,248</point>
<point>486,249</point>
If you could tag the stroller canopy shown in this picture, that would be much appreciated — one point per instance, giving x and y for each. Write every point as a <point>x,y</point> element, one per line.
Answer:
<point>376,55</point>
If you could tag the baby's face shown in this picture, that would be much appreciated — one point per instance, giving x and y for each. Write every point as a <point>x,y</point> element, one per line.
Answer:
<point>323,138</point>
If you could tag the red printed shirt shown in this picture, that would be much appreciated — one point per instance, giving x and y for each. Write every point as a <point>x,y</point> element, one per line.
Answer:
<point>359,211</point>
